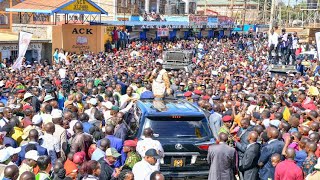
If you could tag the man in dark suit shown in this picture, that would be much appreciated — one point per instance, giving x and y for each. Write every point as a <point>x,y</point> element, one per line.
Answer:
<point>34,140</point>
<point>242,141</point>
<point>222,160</point>
<point>300,67</point>
<point>272,146</point>
<point>249,163</point>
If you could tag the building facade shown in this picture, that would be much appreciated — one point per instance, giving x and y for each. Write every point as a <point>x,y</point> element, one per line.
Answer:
<point>239,10</point>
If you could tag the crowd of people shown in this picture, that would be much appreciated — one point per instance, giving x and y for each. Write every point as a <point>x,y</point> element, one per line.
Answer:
<point>68,120</point>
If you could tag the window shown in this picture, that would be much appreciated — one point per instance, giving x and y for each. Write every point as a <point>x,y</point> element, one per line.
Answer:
<point>3,19</point>
<point>14,54</point>
<point>188,127</point>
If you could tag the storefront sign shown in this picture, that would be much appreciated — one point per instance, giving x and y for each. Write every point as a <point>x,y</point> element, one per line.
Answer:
<point>163,32</point>
<point>198,20</point>
<point>81,5</point>
<point>14,47</point>
<point>77,38</point>
<point>178,26</point>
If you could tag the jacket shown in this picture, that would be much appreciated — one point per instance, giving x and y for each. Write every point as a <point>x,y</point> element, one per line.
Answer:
<point>250,162</point>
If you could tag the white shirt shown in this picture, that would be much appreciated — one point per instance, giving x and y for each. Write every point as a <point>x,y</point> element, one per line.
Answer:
<point>149,143</point>
<point>50,142</point>
<point>3,122</point>
<point>142,170</point>
<point>273,39</point>
<point>266,122</point>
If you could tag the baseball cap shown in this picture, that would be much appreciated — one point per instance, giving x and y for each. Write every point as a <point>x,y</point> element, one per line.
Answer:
<point>56,113</point>
<point>130,143</point>
<point>152,153</point>
<point>32,154</point>
<point>4,155</point>
<point>160,61</point>
<point>37,119</point>
<point>107,104</point>
<point>226,118</point>
<point>93,101</point>
<point>112,152</point>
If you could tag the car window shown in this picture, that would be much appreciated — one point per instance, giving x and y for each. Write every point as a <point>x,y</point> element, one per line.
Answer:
<point>168,127</point>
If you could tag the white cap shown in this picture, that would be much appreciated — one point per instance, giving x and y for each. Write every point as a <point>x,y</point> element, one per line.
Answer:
<point>48,98</point>
<point>13,151</point>
<point>56,113</point>
<point>107,104</point>
<point>27,95</point>
<point>37,119</point>
<point>159,61</point>
<point>4,155</point>
<point>93,101</point>
<point>29,66</point>
<point>32,154</point>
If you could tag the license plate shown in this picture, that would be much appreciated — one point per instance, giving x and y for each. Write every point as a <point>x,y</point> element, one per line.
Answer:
<point>178,162</point>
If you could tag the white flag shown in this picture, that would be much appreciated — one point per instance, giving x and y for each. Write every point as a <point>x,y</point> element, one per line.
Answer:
<point>318,43</point>
<point>24,41</point>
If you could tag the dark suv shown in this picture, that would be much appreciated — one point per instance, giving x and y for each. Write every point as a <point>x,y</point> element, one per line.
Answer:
<point>183,131</point>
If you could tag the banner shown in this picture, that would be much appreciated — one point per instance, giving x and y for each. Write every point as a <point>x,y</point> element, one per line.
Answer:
<point>198,20</point>
<point>163,32</point>
<point>24,41</point>
<point>318,43</point>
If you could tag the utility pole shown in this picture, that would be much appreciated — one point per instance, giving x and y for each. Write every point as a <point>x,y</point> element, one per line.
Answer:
<point>10,16</point>
<point>231,7</point>
<point>244,14</point>
<point>265,11</point>
<point>273,2</point>
<point>205,8</point>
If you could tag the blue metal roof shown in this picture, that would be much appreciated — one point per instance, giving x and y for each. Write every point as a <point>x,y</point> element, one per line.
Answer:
<point>169,107</point>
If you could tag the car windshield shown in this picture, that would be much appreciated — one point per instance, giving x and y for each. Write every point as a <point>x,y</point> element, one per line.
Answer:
<point>168,127</point>
<point>303,56</point>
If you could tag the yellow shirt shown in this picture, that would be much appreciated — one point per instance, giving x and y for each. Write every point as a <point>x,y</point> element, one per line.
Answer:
<point>17,135</point>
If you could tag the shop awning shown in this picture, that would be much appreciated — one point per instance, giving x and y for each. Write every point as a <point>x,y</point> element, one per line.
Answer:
<point>58,6</point>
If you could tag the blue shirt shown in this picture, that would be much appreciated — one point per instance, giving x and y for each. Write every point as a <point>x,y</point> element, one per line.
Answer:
<point>4,100</point>
<point>41,151</point>
<point>300,157</point>
<point>86,127</point>
<point>146,95</point>
<point>117,143</point>
<point>8,141</point>
<point>97,154</point>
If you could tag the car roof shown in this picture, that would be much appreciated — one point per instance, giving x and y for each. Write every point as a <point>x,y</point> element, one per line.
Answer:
<point>169,107</point>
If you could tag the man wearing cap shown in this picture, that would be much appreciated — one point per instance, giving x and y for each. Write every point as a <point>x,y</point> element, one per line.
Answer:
<point>30,162</point>
<point>160,80</point>
<point>107,164</point>
<point>143,169</point>
<point>4,160</point>
<point>129,147</point>
<point>60,133</point>
<point>225,128</point>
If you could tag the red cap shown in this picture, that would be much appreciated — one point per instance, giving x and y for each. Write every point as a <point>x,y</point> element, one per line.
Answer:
<point>21,91</point>
<point>222,87</point>
<point>188,94</point>
<point>58,82</point>
<point>130,143</point>
<point>226,118</point>
<point>25,107</point>
<point>206,97</point>
<point>198,92</point>
<point>80,85</point>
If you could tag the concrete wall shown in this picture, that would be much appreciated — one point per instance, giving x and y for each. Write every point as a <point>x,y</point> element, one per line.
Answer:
<point>38,31</point>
